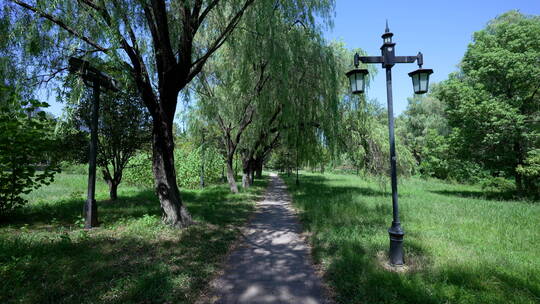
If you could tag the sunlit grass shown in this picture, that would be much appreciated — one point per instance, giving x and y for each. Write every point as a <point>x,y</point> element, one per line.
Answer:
<point>460,247</point>
<point>45,256</point>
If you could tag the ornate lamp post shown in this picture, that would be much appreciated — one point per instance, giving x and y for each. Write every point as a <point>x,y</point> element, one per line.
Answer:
<point>420,79</point>
<point>96,79</point>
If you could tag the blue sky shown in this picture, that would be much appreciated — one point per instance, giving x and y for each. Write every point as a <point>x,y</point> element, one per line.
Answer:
<point>441,30</point>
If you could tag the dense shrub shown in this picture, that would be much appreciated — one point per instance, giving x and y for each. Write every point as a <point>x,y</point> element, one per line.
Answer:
<point>27,148</point>
<point>498,184</point>
<point>139,171</point>
<point>188,167</point>
<point>530,171</point>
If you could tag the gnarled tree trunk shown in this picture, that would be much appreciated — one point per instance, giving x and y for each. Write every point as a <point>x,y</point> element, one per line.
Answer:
<point>245,173</point>
<point>174,212</point>
<point>248,170</point>
<point>258,167</point>
<point>230,174</point>
<point>113,180</point>
<point>113,190</point>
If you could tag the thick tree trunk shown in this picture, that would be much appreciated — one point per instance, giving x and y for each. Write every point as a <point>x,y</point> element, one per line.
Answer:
<point>174,212</point>
<point>235,167</point>
<point>245,174</point>
<point>258,167</point>
<point>113,190</point>
<point>113,182</point>
<point>230,174</point>
<point>247,171</point>
<point>245,180</point>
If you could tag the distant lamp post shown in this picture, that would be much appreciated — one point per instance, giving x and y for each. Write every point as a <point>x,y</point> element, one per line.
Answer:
<point>420,78</point>
<point>94,78</point>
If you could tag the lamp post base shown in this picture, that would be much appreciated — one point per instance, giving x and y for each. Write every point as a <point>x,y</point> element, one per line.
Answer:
<point>90,214</point>
<point>396,244</point>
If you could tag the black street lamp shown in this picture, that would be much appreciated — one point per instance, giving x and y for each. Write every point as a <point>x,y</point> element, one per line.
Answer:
<point>420,80</point>
<point>94,78</point>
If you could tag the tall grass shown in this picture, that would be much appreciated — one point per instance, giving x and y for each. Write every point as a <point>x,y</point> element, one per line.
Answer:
<point>45,256</point>
<point>460,247</point>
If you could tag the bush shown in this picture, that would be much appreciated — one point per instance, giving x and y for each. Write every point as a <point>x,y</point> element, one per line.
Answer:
<point>138,171</point>
<point>498,184</point>
<point>188,168</point>
<point>530,171</point>
<point>26,145</point>
<point>440,162</point>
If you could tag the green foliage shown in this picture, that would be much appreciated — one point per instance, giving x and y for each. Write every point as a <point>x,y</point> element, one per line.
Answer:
<point>439,161</point>
<point>498,184</point>
<point>531,171</point>
<point>273,82</point>
<point>139,171</point>
<point>483,120</point>
<point>364,141</point>
<point>492,104</point>
<point>424,115</point>
<point>187,164</point>
<point>26,149</point>
<point>282,160</point>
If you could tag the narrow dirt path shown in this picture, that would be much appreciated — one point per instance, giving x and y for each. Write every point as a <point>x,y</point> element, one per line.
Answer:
<point>272,264</point>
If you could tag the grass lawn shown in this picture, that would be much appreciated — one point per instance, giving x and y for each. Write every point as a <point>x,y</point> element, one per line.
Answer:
<point>45,256</point>
<point>459,246</point>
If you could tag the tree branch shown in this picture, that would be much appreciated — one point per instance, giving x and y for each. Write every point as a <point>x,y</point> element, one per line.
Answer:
<point>199,63</point>
<point>61,24</point>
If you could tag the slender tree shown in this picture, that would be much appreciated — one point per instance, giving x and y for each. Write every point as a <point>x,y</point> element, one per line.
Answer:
<point>123,130</point>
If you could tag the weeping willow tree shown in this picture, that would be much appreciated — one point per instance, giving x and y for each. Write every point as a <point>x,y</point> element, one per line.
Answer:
<point>162,45</point>
<point>312,120</point>
<point>362,138</point>
<point>275,67</point>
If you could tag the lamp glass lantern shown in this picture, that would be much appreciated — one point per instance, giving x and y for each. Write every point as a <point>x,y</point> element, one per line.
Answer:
<point>420,79</point>
<point>357,80</point>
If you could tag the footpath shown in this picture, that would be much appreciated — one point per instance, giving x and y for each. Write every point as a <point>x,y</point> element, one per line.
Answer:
<point>272,263</point>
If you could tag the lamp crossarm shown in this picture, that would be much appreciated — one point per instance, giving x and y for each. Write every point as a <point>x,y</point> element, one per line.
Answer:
<point>397,59</point>
<point>91,75</point>
<point>371,59</point>
<point>405,59</point>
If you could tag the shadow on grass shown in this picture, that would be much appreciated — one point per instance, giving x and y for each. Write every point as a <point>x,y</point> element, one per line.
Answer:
<point>131,258</point>
<point>479,194</point>
<point>112,269</point>
<point>209,205</point>
<point>344,229</point>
